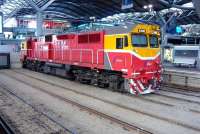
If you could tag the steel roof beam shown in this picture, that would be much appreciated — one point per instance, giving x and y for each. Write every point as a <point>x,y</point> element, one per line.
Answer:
<point>81,10</point>
<point>73,8</point>
<point>33,5</point>
<point>47,5</point>
<point>10,15</point>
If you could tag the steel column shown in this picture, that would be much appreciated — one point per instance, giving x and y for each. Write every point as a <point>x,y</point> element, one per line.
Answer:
<point>39,30</point>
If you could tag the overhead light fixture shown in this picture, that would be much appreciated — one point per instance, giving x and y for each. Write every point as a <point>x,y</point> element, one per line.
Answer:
<point>145,7</point>
<point>150,6</point>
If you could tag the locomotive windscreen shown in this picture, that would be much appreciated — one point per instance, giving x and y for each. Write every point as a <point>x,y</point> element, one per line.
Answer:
<point>154,42</point>
<point>139,40</point>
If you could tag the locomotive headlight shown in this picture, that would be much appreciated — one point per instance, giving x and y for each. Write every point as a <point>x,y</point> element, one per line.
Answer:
<point>148,63</point>
<point>155,32</point>
<point>142,30</point>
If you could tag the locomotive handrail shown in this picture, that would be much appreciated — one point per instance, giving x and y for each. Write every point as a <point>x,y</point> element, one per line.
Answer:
<point>70,51</point>
<point>81,53</point>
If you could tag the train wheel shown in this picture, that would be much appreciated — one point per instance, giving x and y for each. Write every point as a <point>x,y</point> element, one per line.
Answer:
<point>84,81</point>
<point>101,85</point>
<point>70,75</point>
<point>114,83</point>
<point>24,64</point>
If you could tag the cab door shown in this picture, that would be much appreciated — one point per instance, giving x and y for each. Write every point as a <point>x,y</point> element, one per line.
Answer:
<point>121,56</point>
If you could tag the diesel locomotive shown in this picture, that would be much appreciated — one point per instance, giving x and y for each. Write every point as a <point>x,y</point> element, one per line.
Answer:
<point>123,58</point>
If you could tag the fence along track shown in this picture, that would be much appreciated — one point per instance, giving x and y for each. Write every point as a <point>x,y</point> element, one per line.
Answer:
<point>121,106</point>
<point>185,85</point>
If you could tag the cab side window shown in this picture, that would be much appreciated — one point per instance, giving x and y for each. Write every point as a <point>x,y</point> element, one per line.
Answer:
<point>119,43</point>
<point>22,46</point>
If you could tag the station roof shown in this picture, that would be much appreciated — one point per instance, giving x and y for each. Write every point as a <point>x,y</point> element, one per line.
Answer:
<point>83,9</point>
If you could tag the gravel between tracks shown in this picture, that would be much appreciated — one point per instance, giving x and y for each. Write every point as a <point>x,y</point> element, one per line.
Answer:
<point>143,120</point>
<point>23,118</point>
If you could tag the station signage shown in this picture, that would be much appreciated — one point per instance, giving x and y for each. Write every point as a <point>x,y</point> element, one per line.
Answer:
<point>126,4</point>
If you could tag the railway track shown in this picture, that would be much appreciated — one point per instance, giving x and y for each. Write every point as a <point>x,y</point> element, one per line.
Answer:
<point>9,91</point>
<point>5,128</point>
<point>122,123</point>
<point>85,94</point>
<point>100,99</point>
<point>140,97</point>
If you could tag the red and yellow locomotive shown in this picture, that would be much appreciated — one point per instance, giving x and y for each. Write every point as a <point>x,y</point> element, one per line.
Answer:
<point>122,58</point>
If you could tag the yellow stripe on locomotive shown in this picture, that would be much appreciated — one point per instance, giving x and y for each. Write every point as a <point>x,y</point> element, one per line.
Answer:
<point>146,35</point>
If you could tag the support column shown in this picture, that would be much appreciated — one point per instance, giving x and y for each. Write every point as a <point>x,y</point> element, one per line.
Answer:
<point>163,41</point>
<point>164,29</point>
<point>39,29</point>
<point>1,26</point>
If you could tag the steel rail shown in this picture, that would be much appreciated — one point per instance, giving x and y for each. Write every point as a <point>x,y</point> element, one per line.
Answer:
<point>5,128</point>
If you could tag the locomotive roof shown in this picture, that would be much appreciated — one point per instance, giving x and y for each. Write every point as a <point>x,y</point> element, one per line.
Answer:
<point>120,29</point>
<point>124,28</point>
<point>117,29</point>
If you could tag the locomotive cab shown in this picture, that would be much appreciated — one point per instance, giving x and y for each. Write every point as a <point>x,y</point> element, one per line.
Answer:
<point>135,51</point>
<point>146,71</point>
